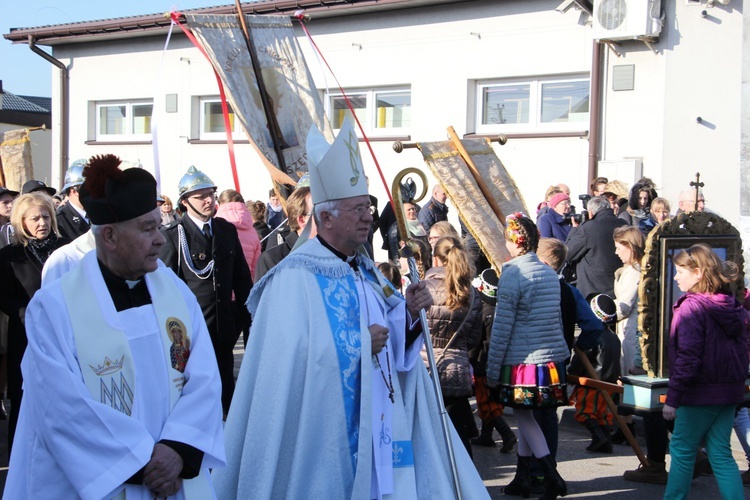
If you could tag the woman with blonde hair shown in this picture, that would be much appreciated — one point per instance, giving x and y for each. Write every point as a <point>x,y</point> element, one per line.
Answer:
<point>168,213</point>
<point>440,229</point>
<point>455,321</point>
<point>708,359</point>
<point>35,237</point>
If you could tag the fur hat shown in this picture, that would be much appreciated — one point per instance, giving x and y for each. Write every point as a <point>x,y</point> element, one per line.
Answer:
<point>617,188</point>
<point>335,170</point>
<point>112,195</point>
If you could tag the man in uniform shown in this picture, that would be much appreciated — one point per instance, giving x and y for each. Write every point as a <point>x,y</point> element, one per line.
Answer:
<point>333,399</point>
<point>206,253</point>
<point>72,221</point>
<point>106,413</point>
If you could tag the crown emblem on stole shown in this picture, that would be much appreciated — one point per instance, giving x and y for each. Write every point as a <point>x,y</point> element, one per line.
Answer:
<point>109,366</point>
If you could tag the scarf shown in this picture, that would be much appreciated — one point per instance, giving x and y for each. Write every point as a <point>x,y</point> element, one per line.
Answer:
<point>42,248</point>
<point>415,228</point>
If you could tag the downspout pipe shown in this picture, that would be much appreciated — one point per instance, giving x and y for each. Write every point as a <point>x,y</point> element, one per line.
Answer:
<point>64,104</point>
<point>595,111</point>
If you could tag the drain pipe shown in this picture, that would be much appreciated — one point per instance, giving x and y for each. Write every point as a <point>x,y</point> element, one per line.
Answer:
<point>595,111</point>
<point>64,104</point>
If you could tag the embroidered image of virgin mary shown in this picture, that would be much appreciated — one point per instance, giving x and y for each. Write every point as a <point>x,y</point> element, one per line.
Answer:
<point>179,351</point>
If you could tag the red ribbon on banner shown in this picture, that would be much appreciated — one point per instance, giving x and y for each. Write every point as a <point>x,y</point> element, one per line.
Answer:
<point>300,16</point>
<point>175,16</point>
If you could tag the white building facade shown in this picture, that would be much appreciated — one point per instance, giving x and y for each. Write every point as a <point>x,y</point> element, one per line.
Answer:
<point>668,109</point>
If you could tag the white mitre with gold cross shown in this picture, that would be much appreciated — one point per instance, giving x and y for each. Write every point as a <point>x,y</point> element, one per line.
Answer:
<point>336,170</point>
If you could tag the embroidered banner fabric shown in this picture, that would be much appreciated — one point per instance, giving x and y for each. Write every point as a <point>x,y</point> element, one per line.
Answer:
<point>15,152</point>
<point>451,170</point>
<point>295,101</point>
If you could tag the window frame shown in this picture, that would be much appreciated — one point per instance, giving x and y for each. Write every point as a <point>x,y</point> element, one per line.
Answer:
<point>127,134</point>
<point>535,105</point>
<point>371,96</point>
<point>237,130</point>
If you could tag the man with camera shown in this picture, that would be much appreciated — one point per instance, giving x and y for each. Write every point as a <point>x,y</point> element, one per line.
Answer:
<point>591,248</point>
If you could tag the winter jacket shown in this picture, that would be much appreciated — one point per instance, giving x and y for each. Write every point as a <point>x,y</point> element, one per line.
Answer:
<point>591,248</point>
<point>708,350</point>
<point>238,214</point>
<point>553,225</point>
<point>455,374</point>
<point>626,301</point>
<point>433,212</point>
<point>605,358</point>
<point>527,326</point>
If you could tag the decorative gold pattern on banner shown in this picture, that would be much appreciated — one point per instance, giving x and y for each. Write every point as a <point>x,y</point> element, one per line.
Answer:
<point>452,172</point>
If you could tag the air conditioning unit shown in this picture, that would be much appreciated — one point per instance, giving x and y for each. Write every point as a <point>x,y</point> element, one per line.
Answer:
<point>615,20</point>
<point>627,170</point>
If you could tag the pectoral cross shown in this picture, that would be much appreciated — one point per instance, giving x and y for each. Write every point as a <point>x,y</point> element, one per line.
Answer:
<point>698,185</point>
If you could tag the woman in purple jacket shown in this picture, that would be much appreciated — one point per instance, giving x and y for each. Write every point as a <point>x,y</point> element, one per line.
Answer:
<point>708,359</point>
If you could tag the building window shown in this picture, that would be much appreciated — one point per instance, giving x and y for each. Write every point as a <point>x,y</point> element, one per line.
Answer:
<point>380,111</point>
<point>124,121</point>
<point>543,104</point>
<point>212,121</point>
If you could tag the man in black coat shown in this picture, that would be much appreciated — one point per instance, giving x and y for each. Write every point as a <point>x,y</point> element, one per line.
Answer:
<point>591,249</point>
<point>206,253</point>
<point>299,207</point>
<point>72,221</point>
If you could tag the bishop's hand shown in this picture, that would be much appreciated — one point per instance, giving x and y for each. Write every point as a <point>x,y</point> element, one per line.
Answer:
<point>418,297</point>
<point>379,336</point>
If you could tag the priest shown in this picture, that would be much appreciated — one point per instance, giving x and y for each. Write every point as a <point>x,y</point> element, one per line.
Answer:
<point>110,410</point>
<point>333,399</point>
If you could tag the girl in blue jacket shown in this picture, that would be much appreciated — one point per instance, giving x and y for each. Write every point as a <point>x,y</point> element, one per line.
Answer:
<point>527,353</point>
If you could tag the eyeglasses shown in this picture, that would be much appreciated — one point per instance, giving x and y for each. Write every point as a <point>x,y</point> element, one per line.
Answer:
<point>360,210</point>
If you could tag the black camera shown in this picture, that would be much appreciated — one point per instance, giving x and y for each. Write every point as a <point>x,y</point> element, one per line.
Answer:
<point>584,200</point>
<point>573,216</point>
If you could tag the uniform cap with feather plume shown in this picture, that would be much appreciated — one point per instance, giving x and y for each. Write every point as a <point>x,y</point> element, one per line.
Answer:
<point>112,195</point>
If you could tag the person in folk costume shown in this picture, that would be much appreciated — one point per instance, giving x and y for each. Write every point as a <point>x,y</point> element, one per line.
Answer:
<point>106,413</point>
<point>333,400</point>
<point>526,360</point>
<point>206,253</point>
<point>490,411</point>
<point>72,220</point>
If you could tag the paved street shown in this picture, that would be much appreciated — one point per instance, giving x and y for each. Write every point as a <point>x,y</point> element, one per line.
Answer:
<point>588,475</point>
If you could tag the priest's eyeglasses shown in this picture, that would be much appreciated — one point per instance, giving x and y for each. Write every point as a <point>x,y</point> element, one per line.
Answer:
<point>360,210</point>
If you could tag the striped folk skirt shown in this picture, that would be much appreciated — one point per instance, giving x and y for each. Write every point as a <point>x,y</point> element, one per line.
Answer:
<point>531,386</point>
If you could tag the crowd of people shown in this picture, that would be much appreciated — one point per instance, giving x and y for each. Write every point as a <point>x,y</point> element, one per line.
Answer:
<point>334,349</point>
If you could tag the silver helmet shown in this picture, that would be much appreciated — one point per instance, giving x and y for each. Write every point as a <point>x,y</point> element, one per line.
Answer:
<point>74,174</point>
<point>193,180</point>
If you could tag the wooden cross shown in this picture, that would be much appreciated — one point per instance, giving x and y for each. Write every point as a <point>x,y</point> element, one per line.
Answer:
<point>698,185</point>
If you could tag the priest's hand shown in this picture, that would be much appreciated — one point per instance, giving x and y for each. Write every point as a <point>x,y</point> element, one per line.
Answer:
<point>418,297</point>
<point>379,336</point>
<point>169,489</point>
<point>161,473</point>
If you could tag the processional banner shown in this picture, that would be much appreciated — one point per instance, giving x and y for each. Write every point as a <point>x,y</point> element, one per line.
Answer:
<point>295,102</point>
<point>15,153</point>
<point>452,171</point>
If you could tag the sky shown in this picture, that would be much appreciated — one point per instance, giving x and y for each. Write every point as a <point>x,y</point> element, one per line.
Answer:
<point>26,73</point>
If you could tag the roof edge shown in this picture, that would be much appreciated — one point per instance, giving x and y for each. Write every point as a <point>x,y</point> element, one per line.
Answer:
<point>49,35</point>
